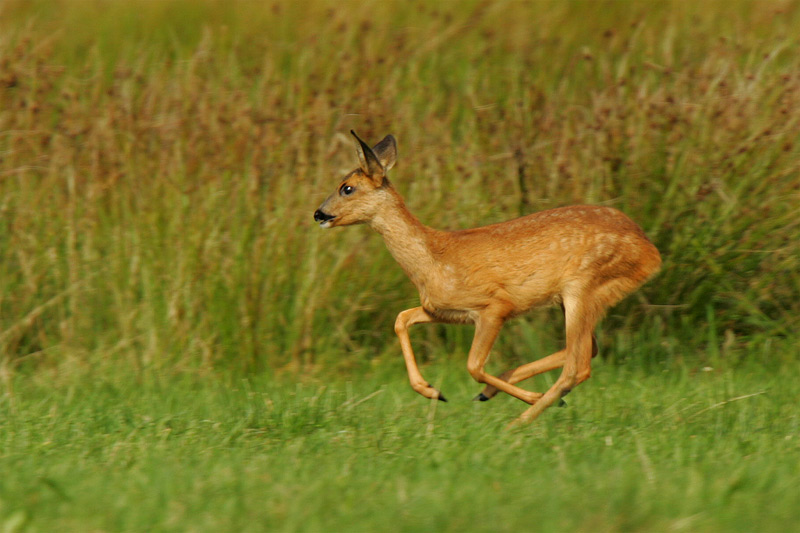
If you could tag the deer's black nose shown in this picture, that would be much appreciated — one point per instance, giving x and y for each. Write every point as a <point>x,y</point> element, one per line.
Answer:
<point>319,216</point>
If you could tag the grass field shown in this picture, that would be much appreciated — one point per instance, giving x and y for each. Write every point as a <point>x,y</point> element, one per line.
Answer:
<point>182,349</point>
<point>635,451</point>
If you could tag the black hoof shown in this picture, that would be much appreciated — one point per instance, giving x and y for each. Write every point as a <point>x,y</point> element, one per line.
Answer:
<point>481,398</point>
<point>441,397</point>
<point>561,403</point>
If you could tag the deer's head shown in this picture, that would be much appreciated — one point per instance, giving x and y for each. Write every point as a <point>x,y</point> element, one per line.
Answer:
<point>363,192</point>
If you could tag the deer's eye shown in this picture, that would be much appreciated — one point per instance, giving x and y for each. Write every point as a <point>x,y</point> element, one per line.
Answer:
<point>347,190</point>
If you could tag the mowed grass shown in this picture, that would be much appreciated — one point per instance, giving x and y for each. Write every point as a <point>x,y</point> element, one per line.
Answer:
<point>663,449</point>
<point>160,163</point>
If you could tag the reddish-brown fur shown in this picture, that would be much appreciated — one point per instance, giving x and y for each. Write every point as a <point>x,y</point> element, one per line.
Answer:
<point>585,258</point>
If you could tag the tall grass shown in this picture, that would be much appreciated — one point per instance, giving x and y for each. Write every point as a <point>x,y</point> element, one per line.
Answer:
<point>160,161</point>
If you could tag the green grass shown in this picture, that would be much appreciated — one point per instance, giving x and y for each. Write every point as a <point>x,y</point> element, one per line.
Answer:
<point>181,348</point>
<point>658,449</point>
<point>159,166</point>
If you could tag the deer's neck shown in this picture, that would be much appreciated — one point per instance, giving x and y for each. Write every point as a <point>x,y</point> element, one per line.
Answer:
<point>408,240</point>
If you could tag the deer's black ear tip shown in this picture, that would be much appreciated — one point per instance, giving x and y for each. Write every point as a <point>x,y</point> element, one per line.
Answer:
<point>353,133</point>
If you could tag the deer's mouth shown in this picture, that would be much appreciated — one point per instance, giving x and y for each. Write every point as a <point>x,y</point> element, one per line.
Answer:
<point>323,218</point>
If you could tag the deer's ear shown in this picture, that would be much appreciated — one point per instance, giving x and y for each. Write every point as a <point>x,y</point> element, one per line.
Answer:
<point>370,163</point>
<point>386,150</point>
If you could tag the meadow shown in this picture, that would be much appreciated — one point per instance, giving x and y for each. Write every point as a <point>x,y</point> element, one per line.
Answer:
<point>182,349</point>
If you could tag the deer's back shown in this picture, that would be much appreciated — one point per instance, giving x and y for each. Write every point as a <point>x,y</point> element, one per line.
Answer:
<point>533,259</point>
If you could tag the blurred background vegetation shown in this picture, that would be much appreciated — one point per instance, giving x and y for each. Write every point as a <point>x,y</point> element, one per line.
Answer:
<point>160,163</point>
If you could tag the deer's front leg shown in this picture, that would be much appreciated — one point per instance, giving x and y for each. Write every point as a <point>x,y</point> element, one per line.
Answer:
<point>486,329</point>
<point>551,362</point>
<point>407,318</point>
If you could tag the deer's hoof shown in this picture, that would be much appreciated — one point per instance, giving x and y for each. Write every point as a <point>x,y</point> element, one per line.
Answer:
<point>481,398</point>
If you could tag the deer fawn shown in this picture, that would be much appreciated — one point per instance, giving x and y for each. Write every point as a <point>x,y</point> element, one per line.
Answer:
<point>585,258</point>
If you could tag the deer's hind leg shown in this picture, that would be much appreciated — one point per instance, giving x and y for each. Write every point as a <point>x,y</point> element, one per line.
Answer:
<point>581,318</point>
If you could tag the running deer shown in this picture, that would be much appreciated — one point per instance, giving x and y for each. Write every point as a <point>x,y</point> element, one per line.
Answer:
<point>584,258</point>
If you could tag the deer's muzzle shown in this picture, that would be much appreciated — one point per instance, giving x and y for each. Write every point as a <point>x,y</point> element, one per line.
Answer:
<point>321,216</point>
